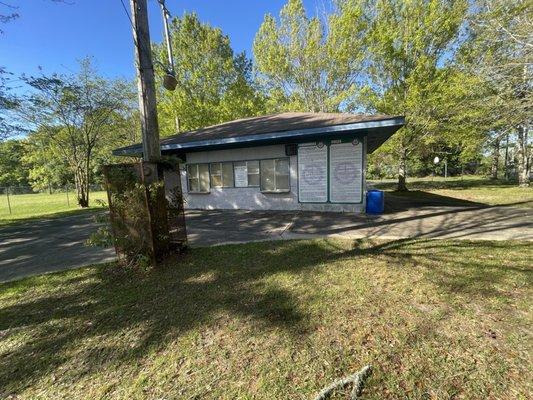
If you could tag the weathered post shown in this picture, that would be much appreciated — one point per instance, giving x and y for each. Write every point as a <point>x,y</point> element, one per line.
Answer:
<point>145,82</point>
<point>140,214</point>
<point>8,202</point>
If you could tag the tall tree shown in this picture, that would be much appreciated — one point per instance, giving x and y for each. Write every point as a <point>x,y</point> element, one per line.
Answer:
<point>76,112</point>
<point>500,53</point>
<point>46,165</point>
<point>311,64</point>
<point>409,41</point>
<point>12,171</point>
<point>214,84</point>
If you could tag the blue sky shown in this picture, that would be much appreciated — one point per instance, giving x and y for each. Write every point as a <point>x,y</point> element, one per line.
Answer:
<point>54,35</point>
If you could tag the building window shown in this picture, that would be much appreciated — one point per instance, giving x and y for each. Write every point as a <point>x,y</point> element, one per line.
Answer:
<point>275,175</point>
<point>221,174</point>
<point>198,178</point>
<point>246,173</point>
<point>253,173</point>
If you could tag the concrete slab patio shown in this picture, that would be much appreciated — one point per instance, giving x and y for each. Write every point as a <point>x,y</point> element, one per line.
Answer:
<point>54,244</point>
<point>471,223</point>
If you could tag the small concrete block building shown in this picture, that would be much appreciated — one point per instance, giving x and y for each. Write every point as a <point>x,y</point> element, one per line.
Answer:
<point>287,161</point>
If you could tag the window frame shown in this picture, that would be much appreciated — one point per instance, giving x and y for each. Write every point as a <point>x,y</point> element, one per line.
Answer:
<point>197,165</point>
<point>246,162</point>
<point>258,172</point>
<point>221,174</point>
<point>288,189</point>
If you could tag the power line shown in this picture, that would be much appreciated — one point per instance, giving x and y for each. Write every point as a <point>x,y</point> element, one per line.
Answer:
<point>133,28</point>
<point>128,15</point>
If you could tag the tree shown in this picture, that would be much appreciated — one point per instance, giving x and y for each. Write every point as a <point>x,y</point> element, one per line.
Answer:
<point>46,165</point>
<point>8,104</point>
<point>409,42</point>
<point>214,84</point>
<point>311,64</point>
<point>12,170</point>
<point>500,52</point>
<point>76,112</point>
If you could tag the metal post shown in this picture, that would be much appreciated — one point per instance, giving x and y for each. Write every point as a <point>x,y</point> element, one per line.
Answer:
<point>8,202</point>
<point>68,201</point>
<point>145,81</point>
<point>166,15</point>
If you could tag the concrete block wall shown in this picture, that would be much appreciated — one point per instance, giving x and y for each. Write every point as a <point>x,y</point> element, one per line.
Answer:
<point>251,198</point>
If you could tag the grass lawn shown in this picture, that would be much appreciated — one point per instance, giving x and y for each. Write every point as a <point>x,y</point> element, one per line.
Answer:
<point>38,205</point>
<point>278,320</point>
<point>470,188</point>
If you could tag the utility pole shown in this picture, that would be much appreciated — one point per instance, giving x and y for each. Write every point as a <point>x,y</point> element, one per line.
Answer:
<point>145,81</point>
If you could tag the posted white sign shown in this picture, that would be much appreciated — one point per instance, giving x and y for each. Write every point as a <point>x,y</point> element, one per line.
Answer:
<point>312,174</point>
<point>241,174</point>
<point>345,172</point>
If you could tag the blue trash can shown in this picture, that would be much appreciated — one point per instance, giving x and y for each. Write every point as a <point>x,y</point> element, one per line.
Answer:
<point>375,201</point>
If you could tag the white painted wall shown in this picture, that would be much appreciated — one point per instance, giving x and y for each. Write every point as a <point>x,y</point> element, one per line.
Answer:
<point>252,198</point>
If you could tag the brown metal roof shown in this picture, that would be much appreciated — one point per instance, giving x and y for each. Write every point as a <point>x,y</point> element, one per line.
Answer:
<point>263,125</point>
<point>288,121</point>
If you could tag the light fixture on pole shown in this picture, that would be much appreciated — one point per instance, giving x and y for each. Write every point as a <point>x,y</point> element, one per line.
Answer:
<point>169,80</point>
<point>436,160</point>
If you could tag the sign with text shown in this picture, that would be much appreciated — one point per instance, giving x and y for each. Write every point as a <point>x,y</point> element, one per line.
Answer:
<point>312,174</point>
<point>345,172</point>
<point>241,174</point>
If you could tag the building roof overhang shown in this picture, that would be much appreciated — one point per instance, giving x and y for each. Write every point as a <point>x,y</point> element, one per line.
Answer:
<point>377,129</point>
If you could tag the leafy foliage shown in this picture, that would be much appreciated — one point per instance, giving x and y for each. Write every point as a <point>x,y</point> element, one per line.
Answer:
<point>500,52</point>
<point>409,42</point>
<point>12,171</point>
<point>310,64</point>
<point>76,113</point>
<point>214,84</point>
<point>47,167</point>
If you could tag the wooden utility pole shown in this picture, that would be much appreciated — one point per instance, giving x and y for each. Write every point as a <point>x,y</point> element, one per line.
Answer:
<point>145,81</point>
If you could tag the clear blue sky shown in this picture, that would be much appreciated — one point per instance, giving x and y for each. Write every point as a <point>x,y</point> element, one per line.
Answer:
<point>54,35</point>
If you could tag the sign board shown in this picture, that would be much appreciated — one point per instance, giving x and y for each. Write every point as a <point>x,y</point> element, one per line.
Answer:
<point>345,172</point>
<point>241,174</point>
<point>312,174</point>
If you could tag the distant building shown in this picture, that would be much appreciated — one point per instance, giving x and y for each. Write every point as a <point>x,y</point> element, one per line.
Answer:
<point>288,161</point>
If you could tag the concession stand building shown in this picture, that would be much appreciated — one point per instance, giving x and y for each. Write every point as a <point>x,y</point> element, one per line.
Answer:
<point>288,161</point>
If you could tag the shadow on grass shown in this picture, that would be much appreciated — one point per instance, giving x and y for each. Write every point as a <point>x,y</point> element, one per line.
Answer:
<point>428,184</point>
<point>401,201</point>
<point>198,291</point>
<point>13,221</point>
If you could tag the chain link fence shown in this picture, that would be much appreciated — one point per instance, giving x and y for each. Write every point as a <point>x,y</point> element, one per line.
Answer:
<point>21,198</point>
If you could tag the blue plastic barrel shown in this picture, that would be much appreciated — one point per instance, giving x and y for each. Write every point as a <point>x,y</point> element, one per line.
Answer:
<point>375,201</point>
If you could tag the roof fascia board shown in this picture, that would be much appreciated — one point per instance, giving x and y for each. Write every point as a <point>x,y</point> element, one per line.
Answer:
<point>298,133</point>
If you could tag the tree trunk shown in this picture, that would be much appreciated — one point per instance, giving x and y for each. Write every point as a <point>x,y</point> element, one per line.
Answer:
<point>522,153</point>
<point>87,180</point>
<point>83,199</point>
<point>81,188</point>
<point>495,159</point>
<point>402,172</point>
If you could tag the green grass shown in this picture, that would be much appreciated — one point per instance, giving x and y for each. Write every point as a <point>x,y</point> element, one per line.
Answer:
<point>40,205</point>
<point>469,188</point>
<point>278,320</point>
